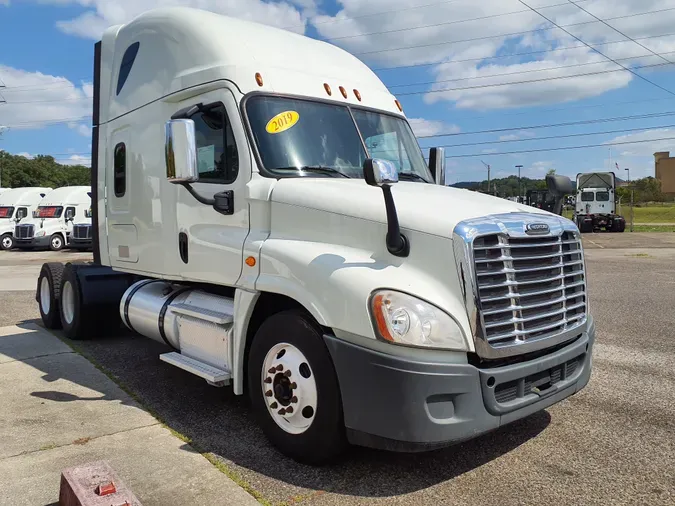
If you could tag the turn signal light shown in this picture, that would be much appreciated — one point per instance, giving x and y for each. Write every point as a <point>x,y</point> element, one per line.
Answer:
<point>258,79</point>
<point>250,261</point>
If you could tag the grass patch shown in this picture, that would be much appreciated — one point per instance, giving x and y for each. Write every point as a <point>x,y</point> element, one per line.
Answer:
<point>639,255</point>
<point>222,467</point>
<point>649,228</point>
<point>50,446</point>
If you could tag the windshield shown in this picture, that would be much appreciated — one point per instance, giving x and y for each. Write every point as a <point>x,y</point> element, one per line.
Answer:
<point>6,212</point>
<point>49,212</point>
<point>307,138</point>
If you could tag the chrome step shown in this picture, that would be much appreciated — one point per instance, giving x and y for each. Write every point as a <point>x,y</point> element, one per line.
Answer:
<point>203,314</point>
<point>213,375</point>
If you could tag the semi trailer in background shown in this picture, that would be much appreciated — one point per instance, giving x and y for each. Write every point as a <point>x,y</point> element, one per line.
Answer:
<point>262,208</point>
<point>16,207</point>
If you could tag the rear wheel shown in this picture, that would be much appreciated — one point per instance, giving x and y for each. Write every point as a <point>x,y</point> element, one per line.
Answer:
<point>6,242</point>
<point>294,390</point>
<point>56,242</point>
<point>48,294</point>
<point>77,324</point>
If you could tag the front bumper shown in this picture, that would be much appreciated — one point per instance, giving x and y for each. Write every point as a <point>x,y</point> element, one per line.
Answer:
<point>80,243</point>
<point>34,242</point>
<point>401,404</point>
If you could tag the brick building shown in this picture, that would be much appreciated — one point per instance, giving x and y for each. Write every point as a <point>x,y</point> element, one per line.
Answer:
<point>664,166</point>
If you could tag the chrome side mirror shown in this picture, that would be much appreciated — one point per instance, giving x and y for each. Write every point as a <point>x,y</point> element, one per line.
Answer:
<point>180,150</point>
<point>437,165</point>
<point>378,172</point>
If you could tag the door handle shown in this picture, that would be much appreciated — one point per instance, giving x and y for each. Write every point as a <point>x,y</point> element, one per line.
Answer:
<point>183,246</point>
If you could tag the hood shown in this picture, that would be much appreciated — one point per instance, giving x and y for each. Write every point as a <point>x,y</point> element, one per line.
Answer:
<point>422,207</point>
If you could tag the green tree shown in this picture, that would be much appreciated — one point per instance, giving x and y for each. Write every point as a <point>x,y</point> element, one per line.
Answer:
<point>18,171</point>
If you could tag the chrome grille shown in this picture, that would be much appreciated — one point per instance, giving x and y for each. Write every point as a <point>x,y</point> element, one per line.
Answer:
<point>528,288</point>
<point>24,231</point>
<point>82,232</point>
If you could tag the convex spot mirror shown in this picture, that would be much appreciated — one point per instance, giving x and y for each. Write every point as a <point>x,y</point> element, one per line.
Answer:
<point>378,172</point>
<point>180,151</point>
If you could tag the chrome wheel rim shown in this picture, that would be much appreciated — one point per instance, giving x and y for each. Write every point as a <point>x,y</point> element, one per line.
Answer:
<point>6,242</point>
<point>289,388</point>
<point>56,242</point>
<point>68,302</point>
<point>45,295</point>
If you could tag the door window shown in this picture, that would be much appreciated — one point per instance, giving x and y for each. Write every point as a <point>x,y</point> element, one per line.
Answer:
<point>70,213</point>
<point>21,213</point>
<point>217,156</point>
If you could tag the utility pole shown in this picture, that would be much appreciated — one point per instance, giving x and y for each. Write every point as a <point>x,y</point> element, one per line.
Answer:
<point>520,190</point>
<point>488,168</point>
<point>632,193</point>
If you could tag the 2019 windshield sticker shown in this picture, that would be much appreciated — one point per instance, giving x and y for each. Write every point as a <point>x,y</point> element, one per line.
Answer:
<point>282,122</point>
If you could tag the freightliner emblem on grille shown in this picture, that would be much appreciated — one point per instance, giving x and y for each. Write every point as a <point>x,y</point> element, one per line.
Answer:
<point>536,228</point>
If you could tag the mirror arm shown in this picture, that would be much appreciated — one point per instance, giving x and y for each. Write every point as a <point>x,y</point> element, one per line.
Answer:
<point>397,243</point>
<point>203,200</point>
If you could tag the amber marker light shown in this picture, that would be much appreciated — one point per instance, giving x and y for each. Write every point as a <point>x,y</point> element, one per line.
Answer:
<point>379,310</point>
<point>250,261</point>
<point>358,95</point>
<point>343,91</point>
<point>398,104</point>
<point>258,79</point>
<point>327,88</point>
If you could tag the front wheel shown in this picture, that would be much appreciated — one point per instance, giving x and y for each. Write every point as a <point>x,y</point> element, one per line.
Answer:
<point>56,242</point>
<point>6,242</point>
<point>294,390</point>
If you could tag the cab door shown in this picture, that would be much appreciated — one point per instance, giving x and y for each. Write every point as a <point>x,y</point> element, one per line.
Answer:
<point>210,243</point>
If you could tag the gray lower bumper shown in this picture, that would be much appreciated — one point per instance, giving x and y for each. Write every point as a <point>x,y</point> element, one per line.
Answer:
<point>410,405</point>
<point>80,243</point>
<point>35,242</point>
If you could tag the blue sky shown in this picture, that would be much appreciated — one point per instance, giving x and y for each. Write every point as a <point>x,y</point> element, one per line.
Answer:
<point>458,68</point>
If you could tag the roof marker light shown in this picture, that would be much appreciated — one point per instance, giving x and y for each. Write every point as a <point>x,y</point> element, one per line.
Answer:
<point>258,79</point>
<point>358,95</point>
<point>325,85</point>
<point>343,91</point>
<point>398,104</point>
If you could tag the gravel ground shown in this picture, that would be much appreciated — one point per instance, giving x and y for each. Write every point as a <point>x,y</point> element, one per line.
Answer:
<point>613,443</point>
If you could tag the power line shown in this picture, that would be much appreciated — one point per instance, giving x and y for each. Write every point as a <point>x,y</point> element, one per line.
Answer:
<point>506,35</point>
<point>617,30</point>
<point>561,148</point>
<point>566,136</point>
<point>445,23</point>
<point>509,55</point>
<point>543,79</point>
<point>553,125</point>
<point>598,51</point>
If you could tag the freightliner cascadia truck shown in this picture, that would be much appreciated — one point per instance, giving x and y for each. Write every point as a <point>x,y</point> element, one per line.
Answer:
<point>262,207</point>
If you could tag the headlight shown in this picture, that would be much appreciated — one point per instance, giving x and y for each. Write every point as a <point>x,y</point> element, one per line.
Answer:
<point>404,319</point>
<point>40,233</point>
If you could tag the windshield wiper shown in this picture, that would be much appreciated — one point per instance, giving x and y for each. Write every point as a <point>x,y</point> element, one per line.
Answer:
<point>316,168</point>
<point>411,175</point>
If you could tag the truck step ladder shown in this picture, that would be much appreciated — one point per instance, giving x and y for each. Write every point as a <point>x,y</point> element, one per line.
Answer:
<point>202,313</point>
<point>212,375</point>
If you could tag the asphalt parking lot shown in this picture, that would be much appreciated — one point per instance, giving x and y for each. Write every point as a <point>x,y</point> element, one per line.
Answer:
<point>613,443</point>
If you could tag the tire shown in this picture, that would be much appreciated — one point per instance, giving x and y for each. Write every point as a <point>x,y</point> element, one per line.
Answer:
<point>56,242</point>
<point>48,294</point>
<point>6,242</point>
<point>324,438</point>
<point>619,225</point>
<point>77,324</point>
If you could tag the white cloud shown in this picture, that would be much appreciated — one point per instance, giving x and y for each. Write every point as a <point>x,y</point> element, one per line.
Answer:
<point>424,127</point>
<point>646,144</point>
<point>34,100</point>
<point>288,14</point>
<point>75,160</point>
<point>82,129</point>
<point>26,155</point>
<point>470,67</point>
<point>521,134</point>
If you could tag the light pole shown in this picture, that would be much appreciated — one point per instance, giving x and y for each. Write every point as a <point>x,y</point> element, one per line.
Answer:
<point>631,199</point>
<point>520,191</point>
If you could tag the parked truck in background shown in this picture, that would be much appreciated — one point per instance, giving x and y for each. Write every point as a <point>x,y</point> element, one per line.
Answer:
<point>81,236</point>
<point>595,205</point>
<point>51,224</point>
<point>262,207</point>
<point>16,206</point>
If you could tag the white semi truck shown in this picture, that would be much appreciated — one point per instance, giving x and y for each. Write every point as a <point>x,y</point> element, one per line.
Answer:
<point>17,206</point>
<point>81,235</point>
<point>262,208</point>
<point>51,224</point>
<point>595,205</point>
